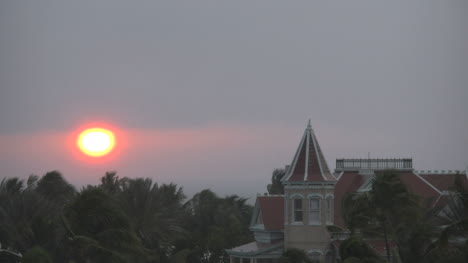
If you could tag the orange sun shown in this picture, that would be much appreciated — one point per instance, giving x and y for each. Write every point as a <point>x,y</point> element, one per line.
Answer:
<point>96,142</point>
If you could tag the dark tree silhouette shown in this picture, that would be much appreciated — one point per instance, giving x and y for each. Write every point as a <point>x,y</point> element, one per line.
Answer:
<point>276,187</point>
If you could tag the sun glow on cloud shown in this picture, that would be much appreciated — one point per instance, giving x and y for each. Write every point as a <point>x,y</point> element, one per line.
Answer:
<point>196,158</point>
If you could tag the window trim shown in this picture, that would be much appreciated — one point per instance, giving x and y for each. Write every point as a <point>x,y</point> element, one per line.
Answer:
<point>318,199</point>
<point>329,210</point>
<point>294,209</point>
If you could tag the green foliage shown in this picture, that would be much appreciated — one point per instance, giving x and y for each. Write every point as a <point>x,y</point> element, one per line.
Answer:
<point>111,183</point>
<point>94,211</point>
<point>391,209</point>
<point>103,231</point>
<point>357,212</point>
<point>156,213</point>
<point>293,255</point>
<point>276,187</point>
<point>54,187</point>
<point>216,224</point>
<point>352,260</point>
<point>180,256</point>
<point>448,254</point>
<point>136,220</point>
<point>413,224</point>
<point>36,255</point>
<point>357,248</point>
<point>27,218</point>
<point>120,220</point>
<point>454,217</point>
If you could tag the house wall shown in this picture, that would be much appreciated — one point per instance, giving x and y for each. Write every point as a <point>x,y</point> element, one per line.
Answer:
<point>305,235</point>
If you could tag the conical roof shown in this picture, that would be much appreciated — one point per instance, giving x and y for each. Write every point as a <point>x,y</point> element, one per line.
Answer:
<point>309,164</point>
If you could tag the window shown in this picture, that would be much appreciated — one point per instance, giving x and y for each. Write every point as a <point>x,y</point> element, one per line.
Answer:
<point>329,209</point>
<point>297,210</point>
<point>314,211</point>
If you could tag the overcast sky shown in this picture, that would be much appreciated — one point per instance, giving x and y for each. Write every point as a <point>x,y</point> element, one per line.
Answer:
<point>217,93</point>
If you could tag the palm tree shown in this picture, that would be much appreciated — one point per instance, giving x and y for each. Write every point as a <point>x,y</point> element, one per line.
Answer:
<point>155,212</point>
<point>54,187</point>
<point>357,213</point>
<point>111,183</point>
<point>100,231</point>
<point>452,222</point>
<point>388,208</point>
<point>394,206</point>
<point>216,224</point>
<point>25,216</point>
<point>454,217</point>
<point>355,248</point>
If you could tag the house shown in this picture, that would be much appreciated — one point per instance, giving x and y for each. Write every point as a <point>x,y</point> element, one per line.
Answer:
<point>312,201</point>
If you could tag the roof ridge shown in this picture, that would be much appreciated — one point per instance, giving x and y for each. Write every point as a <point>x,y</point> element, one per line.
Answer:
<point>427,182</point>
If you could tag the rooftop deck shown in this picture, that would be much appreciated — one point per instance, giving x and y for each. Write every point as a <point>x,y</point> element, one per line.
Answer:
<point>373,164</point>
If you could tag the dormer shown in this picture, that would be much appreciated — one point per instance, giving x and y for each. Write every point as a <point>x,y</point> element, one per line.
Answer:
<point>268,219</point>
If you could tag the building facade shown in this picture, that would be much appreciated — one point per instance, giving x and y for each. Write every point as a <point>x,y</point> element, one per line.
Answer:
<point>312,201</point>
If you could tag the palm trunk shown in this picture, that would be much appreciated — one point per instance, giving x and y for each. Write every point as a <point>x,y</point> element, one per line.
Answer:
<point>386,240</point>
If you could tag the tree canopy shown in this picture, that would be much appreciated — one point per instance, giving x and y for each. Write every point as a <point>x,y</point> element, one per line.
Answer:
<point>420,230</point>
<point>45,219</point>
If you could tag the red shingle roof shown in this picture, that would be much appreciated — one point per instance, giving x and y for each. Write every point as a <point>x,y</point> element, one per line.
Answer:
<point>309,163</point>
<point>351,181</point>
<point>443,182</point>
<point>272,211</point>
<point>419,186</point>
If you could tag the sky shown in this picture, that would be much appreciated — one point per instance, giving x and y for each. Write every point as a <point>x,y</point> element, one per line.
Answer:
<point>217,94</point>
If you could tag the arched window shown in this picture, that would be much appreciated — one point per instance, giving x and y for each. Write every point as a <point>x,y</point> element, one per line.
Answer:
<point>314,211</point>
<point>297,212</point>
<point>296,208</point>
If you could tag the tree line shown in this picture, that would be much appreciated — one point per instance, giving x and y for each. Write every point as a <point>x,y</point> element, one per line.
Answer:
<point>46,219</point>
